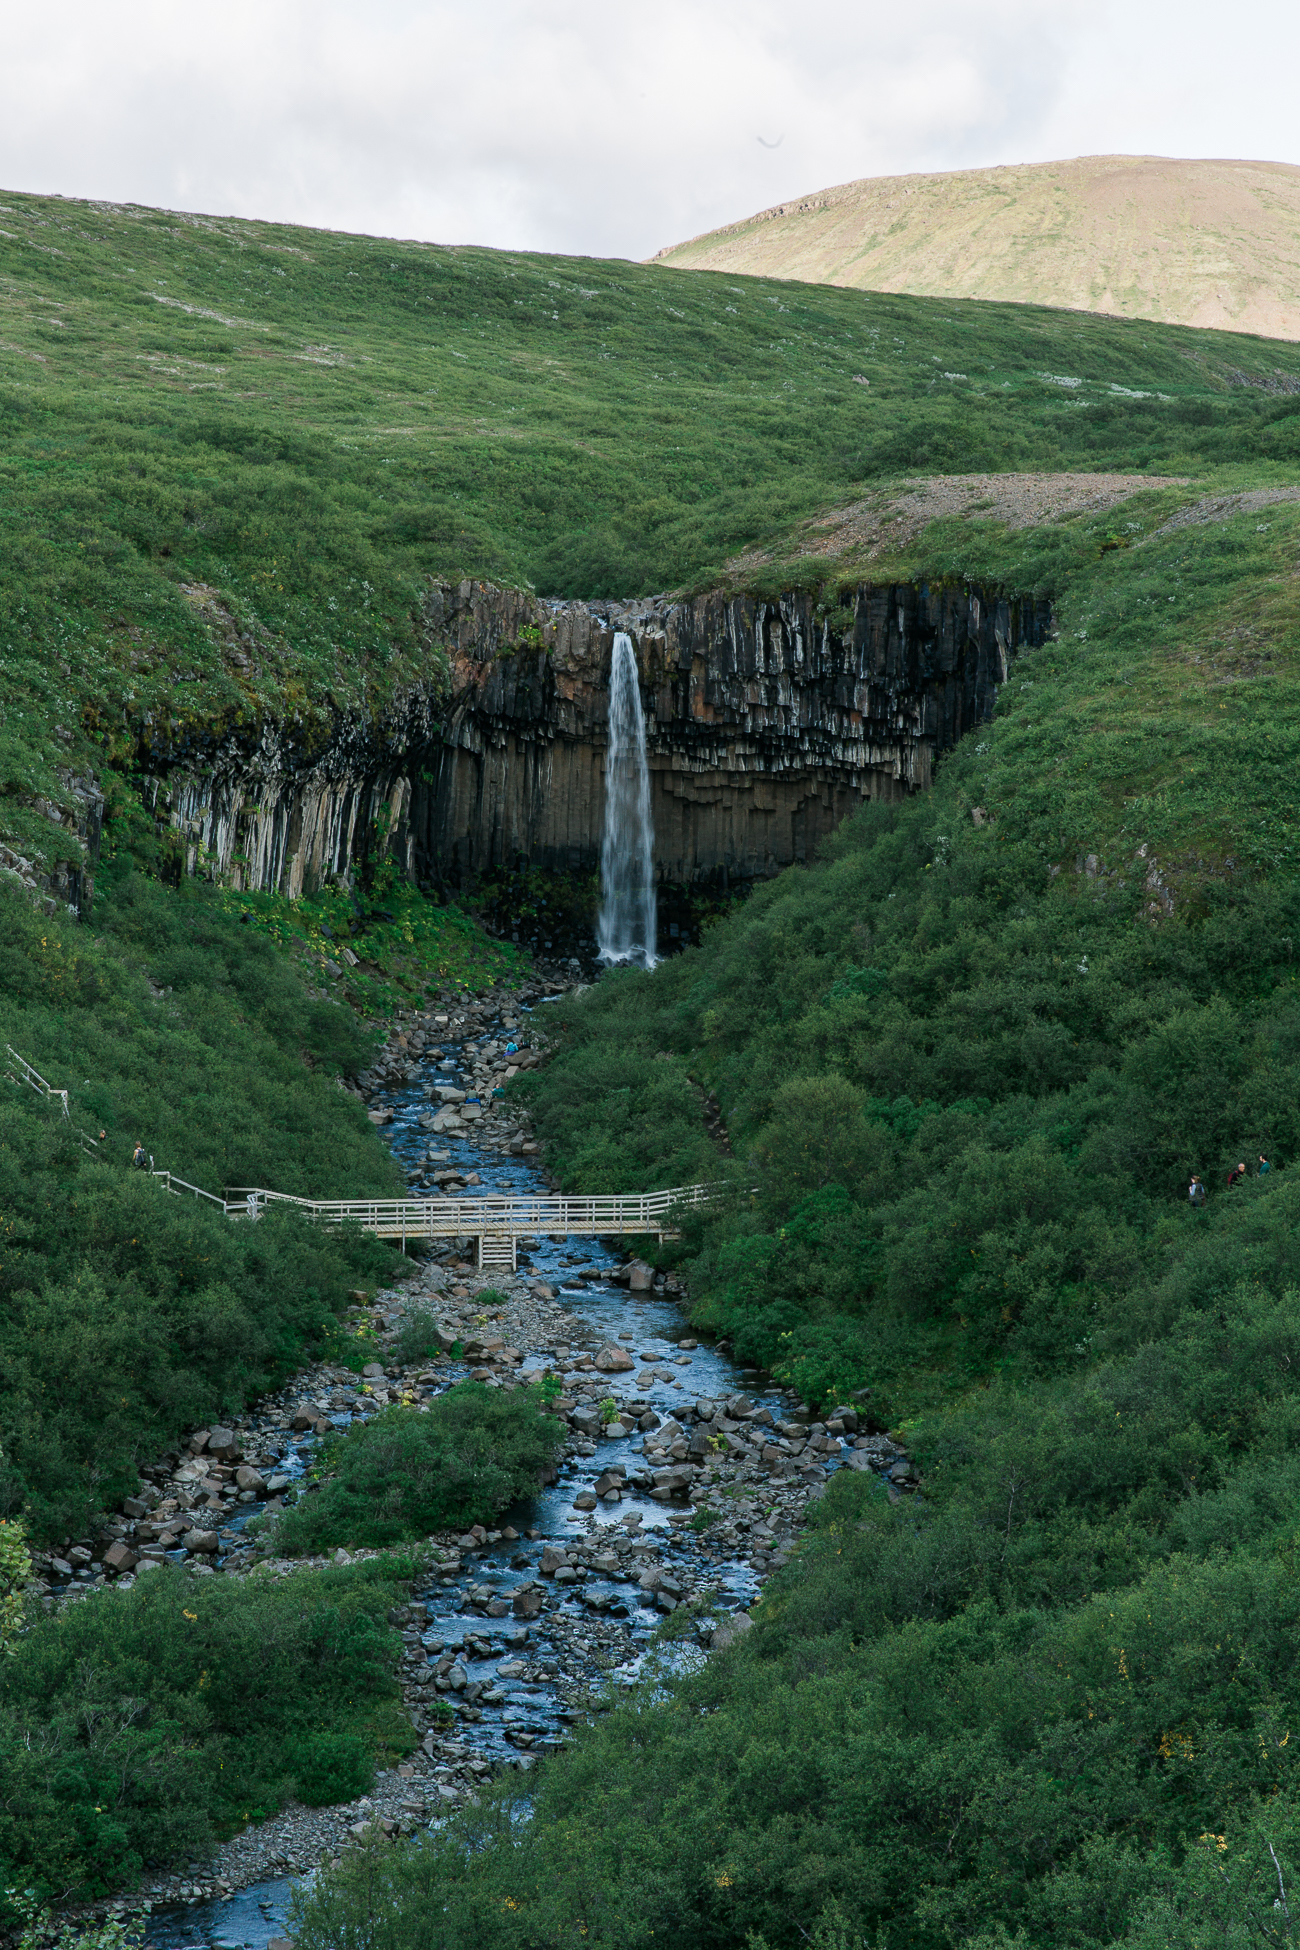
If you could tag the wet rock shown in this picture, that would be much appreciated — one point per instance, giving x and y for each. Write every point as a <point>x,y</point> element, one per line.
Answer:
<point>613,1359</point>
<point>202,1543</point>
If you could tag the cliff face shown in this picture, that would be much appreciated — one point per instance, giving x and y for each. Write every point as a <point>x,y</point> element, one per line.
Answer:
<point>766,724</point>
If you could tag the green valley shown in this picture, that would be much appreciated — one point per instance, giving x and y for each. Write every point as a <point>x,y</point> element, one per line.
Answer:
<point>965,1060</point>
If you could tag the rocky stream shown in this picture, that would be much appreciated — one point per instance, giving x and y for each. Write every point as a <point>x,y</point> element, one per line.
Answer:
<point>684,1481</point>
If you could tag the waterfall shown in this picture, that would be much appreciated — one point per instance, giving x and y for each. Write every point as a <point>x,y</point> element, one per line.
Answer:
<point>625,931</point>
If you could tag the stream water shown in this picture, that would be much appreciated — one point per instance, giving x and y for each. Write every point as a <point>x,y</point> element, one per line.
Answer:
<point>527,1668</point>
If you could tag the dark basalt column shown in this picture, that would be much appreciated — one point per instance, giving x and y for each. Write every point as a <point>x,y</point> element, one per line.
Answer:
<point>767,724</point>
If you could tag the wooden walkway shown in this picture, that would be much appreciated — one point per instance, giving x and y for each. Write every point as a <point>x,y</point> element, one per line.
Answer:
<point>497,1223</point>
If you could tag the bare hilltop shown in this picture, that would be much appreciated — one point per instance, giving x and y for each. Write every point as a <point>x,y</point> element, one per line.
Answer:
<point>1210,243</point>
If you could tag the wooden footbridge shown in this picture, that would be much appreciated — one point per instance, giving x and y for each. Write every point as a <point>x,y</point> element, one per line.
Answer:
<point>496,1222</point>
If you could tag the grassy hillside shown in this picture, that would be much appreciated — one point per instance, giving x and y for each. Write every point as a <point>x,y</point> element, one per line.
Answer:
<point>130,1317</point>
<point>307,426</point>
<point>1207,242</point>
<point>1067,973</point>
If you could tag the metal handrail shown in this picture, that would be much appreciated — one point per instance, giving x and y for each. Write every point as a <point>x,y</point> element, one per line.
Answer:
<point>600,1212</point>
<point>36,1080</point>
<point>197,1191</point>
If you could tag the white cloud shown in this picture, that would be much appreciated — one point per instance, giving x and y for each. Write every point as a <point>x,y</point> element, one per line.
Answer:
<point>588,125</point>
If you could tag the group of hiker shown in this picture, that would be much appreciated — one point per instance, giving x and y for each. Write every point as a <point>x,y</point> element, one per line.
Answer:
<point>1196,1190</point>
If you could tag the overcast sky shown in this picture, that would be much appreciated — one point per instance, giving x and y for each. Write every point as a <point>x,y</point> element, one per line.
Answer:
<point>609,127</point>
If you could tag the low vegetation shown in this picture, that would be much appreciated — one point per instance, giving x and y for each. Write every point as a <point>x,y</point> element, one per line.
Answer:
<point>459,1461</point>
<point>136,1726</point>
<point>131,1316</point>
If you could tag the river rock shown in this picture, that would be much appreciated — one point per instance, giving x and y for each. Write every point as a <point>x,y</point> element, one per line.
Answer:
<point>120,1557</point>
<point>613,1359</point>
<point>202,1542</point>
<point>247,1478</point>
<point>527,1604</point>
<point>730,1630</point>
<point>640,1276</point>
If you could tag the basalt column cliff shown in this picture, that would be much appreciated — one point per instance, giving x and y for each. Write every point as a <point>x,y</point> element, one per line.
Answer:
<point>767,722</point>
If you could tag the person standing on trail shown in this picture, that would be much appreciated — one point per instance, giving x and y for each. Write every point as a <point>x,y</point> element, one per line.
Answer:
<point>1236,1175</point>
<point>140,1158</point>
<point>1196,1193</point>
<point>1264,1165</point>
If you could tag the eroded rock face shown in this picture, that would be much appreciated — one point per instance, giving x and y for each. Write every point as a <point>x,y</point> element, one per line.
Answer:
<point>767,723</point>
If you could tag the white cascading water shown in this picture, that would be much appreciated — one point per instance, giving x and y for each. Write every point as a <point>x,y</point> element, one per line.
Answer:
<point>625,931</point>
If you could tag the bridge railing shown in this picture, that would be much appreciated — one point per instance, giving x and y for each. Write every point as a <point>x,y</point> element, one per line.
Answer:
<point>616,1212</point>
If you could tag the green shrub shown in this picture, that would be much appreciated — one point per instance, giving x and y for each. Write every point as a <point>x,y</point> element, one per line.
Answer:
<point>329,1767</point>
<point>411,1471</point>
<point>416,1339</point>
<point>140,1725</point>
